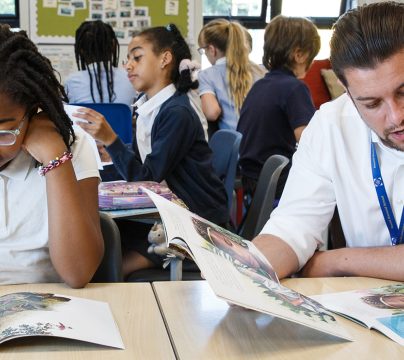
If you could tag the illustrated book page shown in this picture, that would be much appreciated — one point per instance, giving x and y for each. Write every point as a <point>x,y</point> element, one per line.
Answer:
<point>46,314</point>
<point>238,272</point>
<point>379,308</point>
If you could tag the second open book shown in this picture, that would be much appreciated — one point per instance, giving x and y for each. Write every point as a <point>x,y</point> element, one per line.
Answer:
<point>237,271</point>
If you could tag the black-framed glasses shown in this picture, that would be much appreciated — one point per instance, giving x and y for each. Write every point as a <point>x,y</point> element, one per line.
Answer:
<point>9,137</point>
<point>201,50</point>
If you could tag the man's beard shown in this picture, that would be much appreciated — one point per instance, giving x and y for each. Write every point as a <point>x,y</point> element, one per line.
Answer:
<point>389,143</point>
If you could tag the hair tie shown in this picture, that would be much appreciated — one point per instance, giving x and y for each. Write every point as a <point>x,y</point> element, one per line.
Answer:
<point>187,64</point>
<point>168,27</point>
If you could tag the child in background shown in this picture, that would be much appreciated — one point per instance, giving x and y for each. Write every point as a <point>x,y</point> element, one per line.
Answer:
<point>279,106</point>
<point>224,86</point>
<point>170,144</point>
<point>99,80</point>
<point>49,224</point>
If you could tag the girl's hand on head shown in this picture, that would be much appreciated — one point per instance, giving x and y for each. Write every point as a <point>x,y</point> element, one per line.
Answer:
<point>42,140</point>
<point>96,125</point>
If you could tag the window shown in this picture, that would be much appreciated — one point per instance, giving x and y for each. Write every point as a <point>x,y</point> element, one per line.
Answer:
<point>9,12</point>
<point>251,13</point>
<point>254,14</point>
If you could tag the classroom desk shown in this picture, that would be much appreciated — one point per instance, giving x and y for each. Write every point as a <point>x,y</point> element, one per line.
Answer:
<point>132,213</point>
<point>202,326</point>
<point>134,308</point>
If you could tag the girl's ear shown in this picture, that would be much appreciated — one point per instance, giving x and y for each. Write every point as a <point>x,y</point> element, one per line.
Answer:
<point>166,59</point>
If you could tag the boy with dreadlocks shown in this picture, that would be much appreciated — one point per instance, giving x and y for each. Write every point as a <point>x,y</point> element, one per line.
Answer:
<point>49,223</point>
<point>99,80</point>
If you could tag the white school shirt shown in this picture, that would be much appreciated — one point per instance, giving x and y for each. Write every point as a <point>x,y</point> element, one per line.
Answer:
<point>147,110</point>
<point>332,166</point>
<point>24,252</point>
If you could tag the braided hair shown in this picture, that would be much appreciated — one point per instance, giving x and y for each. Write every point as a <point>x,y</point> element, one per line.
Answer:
<point>28,78</point>
<point>97,48</point>
<point>170,38</point>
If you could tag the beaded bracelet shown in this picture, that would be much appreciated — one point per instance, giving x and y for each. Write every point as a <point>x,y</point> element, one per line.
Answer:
<point>67,155</point>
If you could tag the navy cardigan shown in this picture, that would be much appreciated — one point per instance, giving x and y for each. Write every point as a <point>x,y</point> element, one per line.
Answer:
<point>181,156</point>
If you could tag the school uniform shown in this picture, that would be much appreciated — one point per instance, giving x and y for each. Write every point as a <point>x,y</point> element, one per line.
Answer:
<point>24,252</point>
<point>78,89</point>
<point>275,106</point>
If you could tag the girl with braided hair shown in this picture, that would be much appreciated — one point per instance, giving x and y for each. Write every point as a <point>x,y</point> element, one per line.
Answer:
<point>99,80</point>
<point>169,144</point>
<point>49,224</point>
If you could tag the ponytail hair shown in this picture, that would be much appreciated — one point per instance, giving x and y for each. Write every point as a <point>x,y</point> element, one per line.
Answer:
<point>169,38</point>
<point>229,37</point>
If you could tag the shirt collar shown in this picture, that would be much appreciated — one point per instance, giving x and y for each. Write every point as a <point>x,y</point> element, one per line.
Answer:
<point>19,167</point>
<point>146,106</point>
<point>222,60</point>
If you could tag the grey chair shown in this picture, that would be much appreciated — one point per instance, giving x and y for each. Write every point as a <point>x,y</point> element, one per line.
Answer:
<point>262,202</point>
<point>110,269</point>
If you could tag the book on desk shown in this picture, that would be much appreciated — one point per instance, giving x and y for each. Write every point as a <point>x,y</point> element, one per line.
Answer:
<point>378,308</point>
<point>25,314</point>
<point>237,272</point>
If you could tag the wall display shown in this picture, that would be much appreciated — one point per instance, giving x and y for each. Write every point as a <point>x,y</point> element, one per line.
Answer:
<point>55,22</point>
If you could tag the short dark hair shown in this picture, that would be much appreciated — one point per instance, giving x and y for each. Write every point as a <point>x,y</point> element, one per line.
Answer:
<point>283,35</point>
<point>96,46</point>
<point>367,36</point>
<point>28,78</point>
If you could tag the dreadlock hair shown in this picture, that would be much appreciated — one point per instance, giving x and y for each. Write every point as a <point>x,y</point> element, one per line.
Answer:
<point>229,37</point>
<point>29,80</point>
<point>169,38</point>
<point>97,48</point>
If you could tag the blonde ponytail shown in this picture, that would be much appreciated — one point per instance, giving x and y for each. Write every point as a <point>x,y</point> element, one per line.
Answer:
<point>238,65</point>
<point>229,38</point>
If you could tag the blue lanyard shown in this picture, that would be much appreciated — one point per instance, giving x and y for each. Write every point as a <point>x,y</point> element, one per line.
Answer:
<point>396,234</point>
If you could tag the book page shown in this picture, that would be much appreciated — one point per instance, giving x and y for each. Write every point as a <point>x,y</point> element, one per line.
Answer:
<point>45,314</point>
<point>237,274</point>
<point>379,308</point>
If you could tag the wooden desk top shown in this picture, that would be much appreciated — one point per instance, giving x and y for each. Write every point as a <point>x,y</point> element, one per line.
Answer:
<point>204,327</point>
<point>134,308</point>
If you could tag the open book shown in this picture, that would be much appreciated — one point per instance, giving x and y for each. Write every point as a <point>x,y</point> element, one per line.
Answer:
<point>236,270</point>
<point>379,308</point>
<point>46,314</point>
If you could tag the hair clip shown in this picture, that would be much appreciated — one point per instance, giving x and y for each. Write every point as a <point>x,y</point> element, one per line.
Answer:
<point>168,27</point>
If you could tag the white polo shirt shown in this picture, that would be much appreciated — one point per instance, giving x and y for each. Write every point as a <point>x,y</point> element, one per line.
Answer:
<point>24,253</point>
<point>332,166</point>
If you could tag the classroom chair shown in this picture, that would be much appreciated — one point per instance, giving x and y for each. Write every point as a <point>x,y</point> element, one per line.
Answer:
<point>262,202</point>
<point>119,116</point>
<point>225,145</point>
<point>110,269</point>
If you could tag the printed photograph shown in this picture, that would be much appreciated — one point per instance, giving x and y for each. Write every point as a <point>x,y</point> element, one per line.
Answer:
<point>96,16</point>
<point>125,14</point>
<point>141,11</point>
<point>66,10</point>
<point>110,14</point>
<point>79,5</point>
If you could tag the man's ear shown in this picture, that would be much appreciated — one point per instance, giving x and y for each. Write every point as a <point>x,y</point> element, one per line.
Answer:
<point>166,58</point>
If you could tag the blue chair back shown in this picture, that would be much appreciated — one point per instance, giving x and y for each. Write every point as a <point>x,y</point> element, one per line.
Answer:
<point>225,145</point>
<point>119,116</point>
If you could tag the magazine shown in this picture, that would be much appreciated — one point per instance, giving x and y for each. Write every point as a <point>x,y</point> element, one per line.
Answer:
<point>378,308</point>
<point>46,314</point>
<point>237,272</point>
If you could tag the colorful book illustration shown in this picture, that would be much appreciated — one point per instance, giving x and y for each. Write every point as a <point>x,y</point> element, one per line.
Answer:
<point>378,308</point>
<point>236,270</point>
<point>46,314</point>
